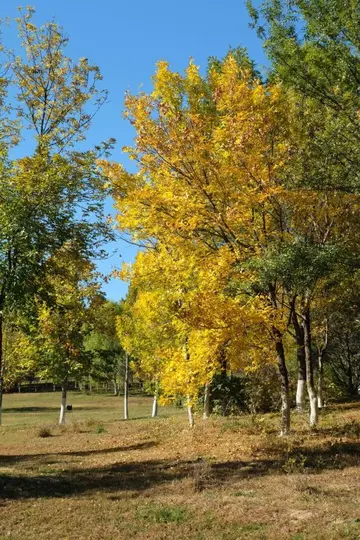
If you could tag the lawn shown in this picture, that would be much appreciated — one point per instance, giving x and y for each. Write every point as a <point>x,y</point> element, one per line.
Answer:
<point>228,479</point>
<point>44,408</point>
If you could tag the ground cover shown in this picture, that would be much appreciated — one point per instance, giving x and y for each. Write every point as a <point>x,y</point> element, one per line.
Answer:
<point>229,478</point>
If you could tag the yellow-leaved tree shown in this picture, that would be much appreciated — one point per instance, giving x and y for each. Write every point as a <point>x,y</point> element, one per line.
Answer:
<point>211,153</point>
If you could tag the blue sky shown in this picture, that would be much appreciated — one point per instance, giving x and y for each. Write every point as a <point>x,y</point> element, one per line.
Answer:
<point>126,39</point>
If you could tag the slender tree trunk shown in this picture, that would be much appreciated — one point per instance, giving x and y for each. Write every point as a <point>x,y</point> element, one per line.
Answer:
<point>284,378</point>
<point>321,357</point>
<point>190,412</point>
<point>300,353</point>
<point>126,388</point>
<point>320,382</point>
<point>314,416</point>
<point>154,411</point>
<point>116,390</point>
<point>2,368</point>
<point>190,409</point>
<point>206,413</point>
<point>63,403</point>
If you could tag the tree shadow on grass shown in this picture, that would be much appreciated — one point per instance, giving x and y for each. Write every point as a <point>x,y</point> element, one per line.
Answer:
<point>29,410</point>
<point>23,410</point>
<point>351,428</point>
<point>33,458</point>
<point>139,476</point>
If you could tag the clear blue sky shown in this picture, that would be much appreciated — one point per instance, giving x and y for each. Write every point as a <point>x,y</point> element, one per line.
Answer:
<point>126,39</point>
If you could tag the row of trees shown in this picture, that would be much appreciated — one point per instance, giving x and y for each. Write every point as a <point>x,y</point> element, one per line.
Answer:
<point>246,207</point>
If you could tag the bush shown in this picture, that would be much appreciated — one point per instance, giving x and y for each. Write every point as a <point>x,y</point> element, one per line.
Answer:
<point>262,390</point>
<point>255,392</point>
<point>228,395</point>
<point>44,431</point>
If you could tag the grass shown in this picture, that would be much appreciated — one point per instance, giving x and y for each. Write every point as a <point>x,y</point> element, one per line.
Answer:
<point>228,479</point>
<point>164,513</point>
<point>34,408</point>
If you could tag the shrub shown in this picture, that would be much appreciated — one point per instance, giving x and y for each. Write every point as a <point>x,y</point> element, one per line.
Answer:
<point>44,431</point>
<point>228,395</point>
<point>202,475</point>
<point>254,392</point>
<point>262,390</point>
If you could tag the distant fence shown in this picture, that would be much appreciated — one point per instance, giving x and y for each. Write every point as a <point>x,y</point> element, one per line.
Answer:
<point>94,388</point>
<point>40,387</point>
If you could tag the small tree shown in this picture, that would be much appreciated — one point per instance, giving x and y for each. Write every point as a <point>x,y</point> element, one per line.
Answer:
<point>64,320</point>
<point>103,343</point>
<point>56,195</point>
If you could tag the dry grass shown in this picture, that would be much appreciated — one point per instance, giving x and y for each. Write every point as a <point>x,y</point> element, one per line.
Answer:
<point>228,479</point>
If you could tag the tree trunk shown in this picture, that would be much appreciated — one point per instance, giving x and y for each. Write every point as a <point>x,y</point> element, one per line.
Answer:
<point>2,368</point>
<point>321,357</point>
<point>63,403</point>
<point>206,413</point>
<point>320,382</point>
<point>126,388</point>
<point>190,412</point>
<point>300,353</point>
<point>314,416</point>
<point>284,378</point>
<point>154,411</point>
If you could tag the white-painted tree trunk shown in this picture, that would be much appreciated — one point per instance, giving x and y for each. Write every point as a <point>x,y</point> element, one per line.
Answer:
<point>314,413</point>
<point>320,391</point>
<point>300,395</point>
<point>206,413</point>
<point>190,412</point>
<point>126,388</point>
<point>63,404</point>
<point>300,354</point>
<point>285,412</point>
<point>154,411</point>
<point>314,416</point>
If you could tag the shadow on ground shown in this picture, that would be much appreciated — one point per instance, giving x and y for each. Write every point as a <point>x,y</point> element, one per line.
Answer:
<point>142,475</point>
<point>33,458</point>
<point>23,410</point>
